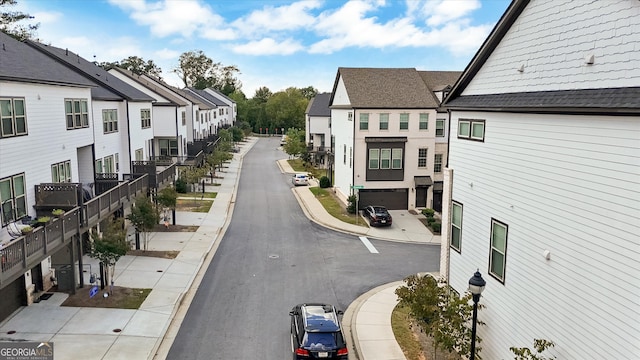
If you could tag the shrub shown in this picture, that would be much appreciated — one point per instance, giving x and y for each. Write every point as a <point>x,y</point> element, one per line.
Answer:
<point>325,182</point>
<point>436,227</point>
<point>428,212</point>
<point>181,186</point>
<point>431,221</point>
<point>351,204</point>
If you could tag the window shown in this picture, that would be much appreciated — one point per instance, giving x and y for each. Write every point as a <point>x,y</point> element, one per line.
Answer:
<point>364,121</point>
<point>471,129</point>
<point>145,118</point>
<point>349,116</point>
<point>13,198</point>
<point>440,127</point>
<point>384,121</point>
<point>76,112</point>
<point>99,166</point>
<point>140,154</point>
<point>456,226</point>
<point>396,158</point>
<point>424,122</point>
<point>344,155</point>
<point>13,120</point>
<point>385,158</point>
<point>498,256</point>
<point>116,159</point>
<point>108,164</point>
<point>168,147</point>
<point>404,121</point>
<point>184,118</point>
<point>422,158</point>
<point>374,158</point>
<point>110,121</point>
<point>61,172</point>
<point>437,163</point>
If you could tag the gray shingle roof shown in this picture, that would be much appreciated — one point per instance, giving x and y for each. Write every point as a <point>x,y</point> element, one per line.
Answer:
<point>155,86</point>
<point>439,80</point>
<point>20,62</point>
<point>203,104</point>
<point>212,99</point>
<point>388,88</point>
<point>319,105</point>
<point>109,86</point>
<point>618,100</point>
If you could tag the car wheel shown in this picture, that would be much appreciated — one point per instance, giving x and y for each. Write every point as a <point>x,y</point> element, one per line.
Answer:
<point>371,222</point>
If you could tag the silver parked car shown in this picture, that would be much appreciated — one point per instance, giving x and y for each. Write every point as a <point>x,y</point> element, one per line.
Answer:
<point>300,179</point>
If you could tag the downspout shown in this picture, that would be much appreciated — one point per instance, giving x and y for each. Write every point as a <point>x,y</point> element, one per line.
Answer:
<point>353,144</point>
<point>126,102</point>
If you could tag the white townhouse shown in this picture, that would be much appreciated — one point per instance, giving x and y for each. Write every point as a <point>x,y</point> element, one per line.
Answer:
<point>318,129</point>
<point>219,107</point>
<point>384,128</point>
<point>46,135</point>
<point>544,175</point>
<point>228,111</point>
<point>203,115</point>
<point>123,130</point>
<point>170,112</point>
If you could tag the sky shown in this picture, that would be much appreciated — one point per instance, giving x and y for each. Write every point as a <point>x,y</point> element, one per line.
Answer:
<point>274,43</point>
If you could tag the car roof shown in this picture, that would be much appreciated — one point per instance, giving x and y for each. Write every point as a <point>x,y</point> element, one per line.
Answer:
<point>300,174</point>
<point>320,318</point>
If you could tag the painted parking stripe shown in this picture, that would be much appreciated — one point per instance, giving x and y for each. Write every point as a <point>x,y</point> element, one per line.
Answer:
<point>368,244</point>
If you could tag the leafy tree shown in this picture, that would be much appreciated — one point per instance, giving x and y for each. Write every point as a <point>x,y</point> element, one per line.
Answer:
<point>138,65</point>
<point>192,175</point>
<point>167,198</point>
<point>540,345</point>
<point>295,142</point>
<point>144,216</point>
<point>351,204</point>
<point>262,94</point>
<point>237,134</point>
<point>309,92</point>
<point>199,71</point>
<point>9,22</point>
<point>285,109</point>
<point>110,245</point>
<point>444,317</point>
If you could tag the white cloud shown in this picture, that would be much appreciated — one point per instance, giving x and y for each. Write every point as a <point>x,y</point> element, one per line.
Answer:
<point>167,54</point>
<point>268,46</point>
<point>46,17</point>
<point>269,19</point>
<point>440,12</point>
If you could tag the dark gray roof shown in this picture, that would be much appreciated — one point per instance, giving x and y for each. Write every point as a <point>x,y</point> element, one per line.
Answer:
<point>602,101</point>
<point>611,100</point>
<point>214,100</point>
<point>385,88</point>
<point>203,104</point>
<point>156,86</point>
<point>20,62</point>
<point>221,94</point>
<point>109,86</point>
<point>319,105</point>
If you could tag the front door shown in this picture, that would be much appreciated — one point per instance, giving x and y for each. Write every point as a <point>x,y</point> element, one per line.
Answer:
<point>421,197</point>
<point>437,201</point>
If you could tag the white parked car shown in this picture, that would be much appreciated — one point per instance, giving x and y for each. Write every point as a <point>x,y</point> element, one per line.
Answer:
<point>300,179</point>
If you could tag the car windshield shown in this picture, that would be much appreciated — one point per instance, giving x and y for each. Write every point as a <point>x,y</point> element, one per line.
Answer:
<point>380,210</point>
<point>320,341</point>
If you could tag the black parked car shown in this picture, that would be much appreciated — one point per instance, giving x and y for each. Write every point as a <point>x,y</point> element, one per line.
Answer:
<point>316,332</point>
<point>378,215</point>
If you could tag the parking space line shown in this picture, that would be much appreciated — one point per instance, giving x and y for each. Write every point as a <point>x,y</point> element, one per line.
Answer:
<point>369,245</point>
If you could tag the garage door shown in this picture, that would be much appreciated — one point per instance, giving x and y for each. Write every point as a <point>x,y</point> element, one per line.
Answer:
<point>12,297</point>
<point>392,199</point>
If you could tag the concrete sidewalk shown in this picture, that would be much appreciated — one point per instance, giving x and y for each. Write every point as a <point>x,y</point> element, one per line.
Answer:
<point>148,332</point>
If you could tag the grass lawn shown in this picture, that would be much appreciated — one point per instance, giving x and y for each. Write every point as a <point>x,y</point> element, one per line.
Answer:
<point>207,195</point>
<point>121,298</point>
<point>335,208</point>
<point>297,166</point>
<point>194,204</point>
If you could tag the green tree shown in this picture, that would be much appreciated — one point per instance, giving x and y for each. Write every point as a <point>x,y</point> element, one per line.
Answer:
<point>440,314</point>
<point>309,92</point>
<point>198,70</point>
<point>192,175</point>
<point>138,65</point>
<point>110,245</point>
<point>144,217</point>
<point>295,144</point>
<point>262,94</point>
<point>540,346</point>
<point>167,199</point>
<point>11,22</point>
<point>285,109</point>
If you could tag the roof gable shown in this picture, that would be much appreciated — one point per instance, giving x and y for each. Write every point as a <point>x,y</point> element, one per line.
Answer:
<point>319,105</point>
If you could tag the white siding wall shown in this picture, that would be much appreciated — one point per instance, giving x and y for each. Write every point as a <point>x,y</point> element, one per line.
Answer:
<point>570,185</point>
<point>165,121</point>
<point>48,141</point>
<point>553,54</point>
<point>111,143</point>
<point>138,136</point>
<point>342,130</point>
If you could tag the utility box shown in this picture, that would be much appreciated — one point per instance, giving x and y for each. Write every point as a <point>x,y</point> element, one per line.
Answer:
<point>64,276</point>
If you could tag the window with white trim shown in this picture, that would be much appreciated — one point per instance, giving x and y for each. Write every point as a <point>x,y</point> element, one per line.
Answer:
<point>13,198</point>
<point>13,118</point>
<point>116,159</point>
<point>423,122</point>
<point>168,147</point>
<point>109,121</point>
<point>77,113</point>
<point>139,154</point>
<point>471,129</point>
<point>385,158</point>
<point>364,121</point>
<point>404,121</point>
<point>384,121</point>
<point>108,164</point>
<point>396,158</point>
<point>498,255</point>
<point>374,159</point>
<point>422,158</point>
<point>98,166</point>
<point>61,172</point>
<point>145,118</point>
<point>440,127</point>
<point>437,163</point>
<point>455,239</point>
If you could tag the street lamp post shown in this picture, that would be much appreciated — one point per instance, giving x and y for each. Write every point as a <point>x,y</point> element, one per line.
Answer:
<point>476,286</point>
